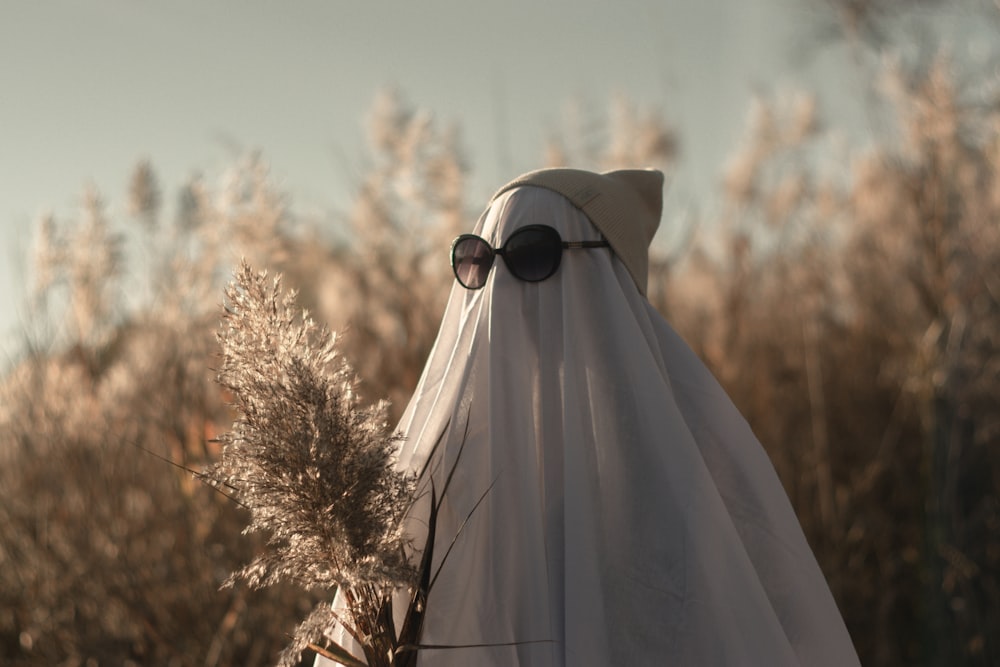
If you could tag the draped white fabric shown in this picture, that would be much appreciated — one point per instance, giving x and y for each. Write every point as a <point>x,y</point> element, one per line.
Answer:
<point>629,516</point>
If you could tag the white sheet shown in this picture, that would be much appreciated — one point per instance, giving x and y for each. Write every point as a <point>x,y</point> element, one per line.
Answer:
<point>633,519</point>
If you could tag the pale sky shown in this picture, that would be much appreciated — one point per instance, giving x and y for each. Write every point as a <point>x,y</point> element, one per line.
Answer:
<point>88,88</point>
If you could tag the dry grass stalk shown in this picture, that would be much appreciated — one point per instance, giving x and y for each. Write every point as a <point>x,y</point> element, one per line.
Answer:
<point>316,469</point>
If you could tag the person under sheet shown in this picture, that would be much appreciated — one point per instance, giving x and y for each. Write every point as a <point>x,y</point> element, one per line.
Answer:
<point>609,505</point>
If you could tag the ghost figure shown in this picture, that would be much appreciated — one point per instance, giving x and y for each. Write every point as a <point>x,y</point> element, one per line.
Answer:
<point>607,503</point>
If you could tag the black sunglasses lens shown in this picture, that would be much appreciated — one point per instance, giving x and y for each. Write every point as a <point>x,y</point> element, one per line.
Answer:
<point>533,253</point>
<point>471,259</point>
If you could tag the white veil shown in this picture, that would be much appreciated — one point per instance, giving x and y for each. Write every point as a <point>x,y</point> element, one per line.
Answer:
<point>611,505</point>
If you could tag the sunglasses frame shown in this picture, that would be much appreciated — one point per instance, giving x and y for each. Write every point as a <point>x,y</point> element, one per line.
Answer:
<point>502,252</point>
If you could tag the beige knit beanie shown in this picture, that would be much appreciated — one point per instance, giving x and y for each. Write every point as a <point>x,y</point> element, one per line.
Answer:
<point>624,205</point>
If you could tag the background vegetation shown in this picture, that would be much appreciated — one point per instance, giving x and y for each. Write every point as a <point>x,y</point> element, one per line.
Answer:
<point>849,302</point>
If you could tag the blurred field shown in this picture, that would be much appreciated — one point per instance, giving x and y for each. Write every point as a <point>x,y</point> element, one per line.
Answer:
<point>852,314</point>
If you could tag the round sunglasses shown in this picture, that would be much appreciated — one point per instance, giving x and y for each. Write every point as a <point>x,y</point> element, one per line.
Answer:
<point>532,254</point>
